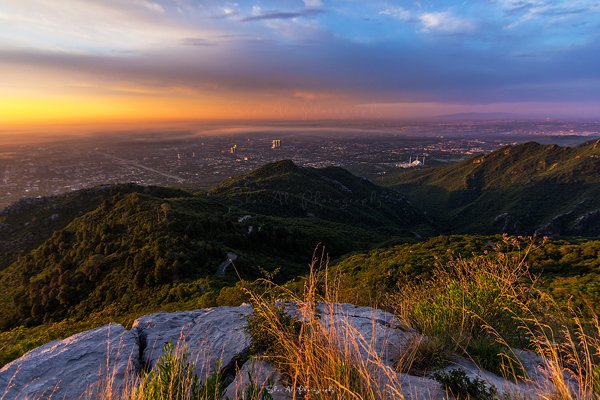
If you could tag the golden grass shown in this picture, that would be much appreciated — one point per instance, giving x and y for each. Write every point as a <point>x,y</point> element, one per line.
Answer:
<point>322,360</point>
<point>490,296</point>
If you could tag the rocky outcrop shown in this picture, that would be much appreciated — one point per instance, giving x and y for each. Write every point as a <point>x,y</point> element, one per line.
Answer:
<point>585,221</point>
<point>365,331</point>
<point>111,356</point>
<point>212,337</point>
<point>74,367</point>
<point>263,376</point>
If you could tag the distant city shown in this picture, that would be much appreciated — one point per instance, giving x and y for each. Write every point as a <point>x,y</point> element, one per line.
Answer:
<point>196,161</point>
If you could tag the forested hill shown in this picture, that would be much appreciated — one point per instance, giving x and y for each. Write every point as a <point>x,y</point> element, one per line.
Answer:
<point>123,246</point>
<point>517,189</point>
<point>29,222</point>
<point>330,193</point>
<point>117,252</point>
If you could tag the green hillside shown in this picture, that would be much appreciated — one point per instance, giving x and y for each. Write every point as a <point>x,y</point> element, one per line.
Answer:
<point>114,253</point>
<point>517,189</point>
<point>130,248</point>
<point>29,222</point>
<point>332,194</point>
<point>569,270</point>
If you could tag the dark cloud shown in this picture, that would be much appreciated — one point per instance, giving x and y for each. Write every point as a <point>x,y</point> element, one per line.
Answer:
<point>197,42</point>
<point>384,72</point>
<point>491,64</point>
<point>283,15</point>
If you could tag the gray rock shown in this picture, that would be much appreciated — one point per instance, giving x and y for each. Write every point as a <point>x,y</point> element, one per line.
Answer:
<point>364,330</point>
<point>74,367</point>
<point>81,365</point>
<point>264,376</point>
<point>210,336</point>
<point>534,366</point>
<point>420,388</point>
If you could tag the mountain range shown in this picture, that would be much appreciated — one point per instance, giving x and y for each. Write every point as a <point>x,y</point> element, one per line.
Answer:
<point>521,189</point>
<point>74,254</point>
<point>116,252</point>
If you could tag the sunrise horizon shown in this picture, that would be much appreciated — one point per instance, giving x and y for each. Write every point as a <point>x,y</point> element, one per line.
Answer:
<point>139,61</point>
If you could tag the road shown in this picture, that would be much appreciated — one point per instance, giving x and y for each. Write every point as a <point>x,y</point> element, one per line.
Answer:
<point>231,257</point>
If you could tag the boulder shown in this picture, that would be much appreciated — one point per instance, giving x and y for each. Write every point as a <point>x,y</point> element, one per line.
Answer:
<point>109,358</point>
<point>536,376</point>
<point>73,368</point>
<point>420,388</point>
<point>362,332</point>
<point>211,337</point>
<point>365,330</point>
<point>263,376</point>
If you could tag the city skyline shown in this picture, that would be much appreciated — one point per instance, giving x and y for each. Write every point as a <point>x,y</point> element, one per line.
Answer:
<point>99,61</point>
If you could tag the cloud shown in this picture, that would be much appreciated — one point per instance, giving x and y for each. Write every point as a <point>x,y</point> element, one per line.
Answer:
<point>435,21</point>
<point>89,25</point>
<point>445,22</point>
<point>282,15</point>
<point>313,4</point>
<point>314,95</point>
<point>155,7</point>
<point>387,72</point>
<point>522,11</point>
<point>429,57</point>
<point>196,42</point>
<point>398,13</point>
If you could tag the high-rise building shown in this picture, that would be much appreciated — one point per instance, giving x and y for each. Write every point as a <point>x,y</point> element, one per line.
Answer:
<point>276,144</point>
<point>232,149</point>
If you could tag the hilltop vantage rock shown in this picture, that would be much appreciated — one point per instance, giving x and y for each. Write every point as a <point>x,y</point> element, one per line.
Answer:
<point>88,363</point>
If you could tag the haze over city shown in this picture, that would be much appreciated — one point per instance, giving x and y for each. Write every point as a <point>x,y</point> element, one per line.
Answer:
<point>98,61</point>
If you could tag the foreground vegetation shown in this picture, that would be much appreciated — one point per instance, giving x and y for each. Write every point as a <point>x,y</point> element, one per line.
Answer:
<point>482,308</point>
<point>569,271</point>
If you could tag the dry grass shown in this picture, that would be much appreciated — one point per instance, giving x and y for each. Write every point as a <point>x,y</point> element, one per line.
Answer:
<point>322,360</point>
<point>468,297</point>
<point>484,306</point>
<point>570,346</point>
<point>480,307</point>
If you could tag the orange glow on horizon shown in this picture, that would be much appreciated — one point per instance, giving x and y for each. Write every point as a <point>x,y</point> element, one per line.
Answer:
<point>28,111</point>
<point>32,111</point>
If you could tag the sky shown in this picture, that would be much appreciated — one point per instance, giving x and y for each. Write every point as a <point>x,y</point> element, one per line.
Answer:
<point>74,61</point>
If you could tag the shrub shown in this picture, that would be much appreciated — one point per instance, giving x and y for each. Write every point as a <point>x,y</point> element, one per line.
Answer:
<point>254,391</point>
<point>467,300</point>
<point>422,355</point>
<point>174,378</point>
<point>495,357</point>
<point>260,327</point>
<point>461,386</point>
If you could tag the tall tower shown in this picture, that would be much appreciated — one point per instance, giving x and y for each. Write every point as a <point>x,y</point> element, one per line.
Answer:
<point>276,144</point>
